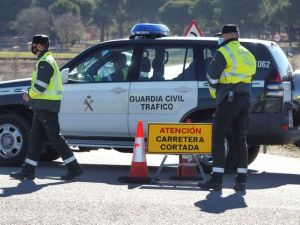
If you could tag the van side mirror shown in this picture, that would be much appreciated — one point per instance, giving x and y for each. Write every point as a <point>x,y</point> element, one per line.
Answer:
<point>65,75</point>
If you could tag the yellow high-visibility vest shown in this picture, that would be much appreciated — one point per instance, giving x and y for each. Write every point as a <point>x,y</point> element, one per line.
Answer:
<point>241,64</point>
<point>54,88</point>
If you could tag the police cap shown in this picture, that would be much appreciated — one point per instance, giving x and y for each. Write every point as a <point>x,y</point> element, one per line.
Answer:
<point>228,28</point>
<point>40,39</point>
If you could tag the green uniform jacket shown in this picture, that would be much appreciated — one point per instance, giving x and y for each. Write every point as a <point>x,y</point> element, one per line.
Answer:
<point>46,84</point>
<point>231,71</point>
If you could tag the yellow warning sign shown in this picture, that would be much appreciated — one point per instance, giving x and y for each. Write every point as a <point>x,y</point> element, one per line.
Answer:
<point>181,138</point>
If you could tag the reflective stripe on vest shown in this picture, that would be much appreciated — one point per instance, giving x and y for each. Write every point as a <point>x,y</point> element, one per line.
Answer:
<point>212,81</point>
<point>241,64</point>
<point>54,88</point>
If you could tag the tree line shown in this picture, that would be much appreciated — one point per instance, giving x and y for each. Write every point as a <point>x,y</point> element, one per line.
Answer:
<point>71,21</point>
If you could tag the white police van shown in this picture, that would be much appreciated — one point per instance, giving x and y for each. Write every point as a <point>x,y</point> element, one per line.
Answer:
<point>155,78</point>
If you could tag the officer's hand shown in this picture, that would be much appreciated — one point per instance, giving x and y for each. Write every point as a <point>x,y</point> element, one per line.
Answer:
<point>25,96</point>
<point>212,92</point>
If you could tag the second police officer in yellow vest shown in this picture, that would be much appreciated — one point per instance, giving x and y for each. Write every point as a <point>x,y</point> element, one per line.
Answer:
<point>44,97</point>
<point>229,76</point>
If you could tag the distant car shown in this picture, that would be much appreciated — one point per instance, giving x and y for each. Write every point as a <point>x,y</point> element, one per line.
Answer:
<point>163,80</point>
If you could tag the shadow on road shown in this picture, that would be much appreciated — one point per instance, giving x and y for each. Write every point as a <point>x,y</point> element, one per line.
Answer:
<point>256,180</point>
<point>265,180</point>
<point>25,187</point>
<point>109,174</point>
<point>215,203</point>
<point>94,173</point>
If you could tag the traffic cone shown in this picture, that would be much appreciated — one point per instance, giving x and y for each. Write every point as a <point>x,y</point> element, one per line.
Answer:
<point>186,172</point>
<point>138,171</point>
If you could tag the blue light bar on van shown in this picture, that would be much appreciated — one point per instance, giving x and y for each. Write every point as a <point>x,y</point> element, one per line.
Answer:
<point>150,30</point>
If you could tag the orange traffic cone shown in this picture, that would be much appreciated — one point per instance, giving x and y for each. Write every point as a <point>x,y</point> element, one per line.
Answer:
<point>139,171</point>
<point>186,172</point>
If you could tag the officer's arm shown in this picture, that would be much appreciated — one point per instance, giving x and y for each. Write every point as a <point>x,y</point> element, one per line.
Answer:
<point>45,72</point>
<point>215,70</point>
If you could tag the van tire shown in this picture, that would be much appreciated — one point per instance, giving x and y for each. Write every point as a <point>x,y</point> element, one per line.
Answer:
<point>14,139</point>
<point>253,151</point>
<point>231,156</point>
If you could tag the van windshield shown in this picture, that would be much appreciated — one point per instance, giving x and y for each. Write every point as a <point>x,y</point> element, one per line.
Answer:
<point>282,61</point>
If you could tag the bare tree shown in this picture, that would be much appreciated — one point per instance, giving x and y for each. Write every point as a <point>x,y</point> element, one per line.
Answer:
<point>34,20</point>
<point>68,28</point>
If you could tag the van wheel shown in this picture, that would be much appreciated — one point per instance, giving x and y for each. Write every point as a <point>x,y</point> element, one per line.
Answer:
<point>14,139</point>
<point>206,160</point>
<point>230,153</point>
<point>253,151</point>
<point>230,160</point>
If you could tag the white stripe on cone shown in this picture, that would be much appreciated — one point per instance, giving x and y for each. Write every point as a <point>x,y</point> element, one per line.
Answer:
<point>139,154</point>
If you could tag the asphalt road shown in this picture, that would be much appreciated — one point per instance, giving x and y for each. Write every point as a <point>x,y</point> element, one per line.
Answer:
<point>97,197</point>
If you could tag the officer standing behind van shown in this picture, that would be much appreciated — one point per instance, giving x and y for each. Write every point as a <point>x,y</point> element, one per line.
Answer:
<point>229,75</point>
<point>44,97</point>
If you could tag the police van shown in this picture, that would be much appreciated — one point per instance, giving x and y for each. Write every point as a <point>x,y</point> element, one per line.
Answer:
<point>154,78</point>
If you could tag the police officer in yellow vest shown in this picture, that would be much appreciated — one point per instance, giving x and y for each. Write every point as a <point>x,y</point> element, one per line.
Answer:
<point>44,97</point>
<point>229,76</point>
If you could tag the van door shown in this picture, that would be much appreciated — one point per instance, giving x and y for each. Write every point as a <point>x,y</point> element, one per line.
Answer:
<point>165,87</point>
<point>95,100</point>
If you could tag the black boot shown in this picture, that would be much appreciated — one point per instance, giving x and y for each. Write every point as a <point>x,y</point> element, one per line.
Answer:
<point>214,183</point>
<point>240,182</point>
<point>74,170</point>
<point>27,172</point>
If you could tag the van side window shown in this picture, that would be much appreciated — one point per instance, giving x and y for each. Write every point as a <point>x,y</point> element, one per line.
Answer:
<point>165,64</point>
<point>208,55</point>
<point>265,63</point>
<point>108,65</point>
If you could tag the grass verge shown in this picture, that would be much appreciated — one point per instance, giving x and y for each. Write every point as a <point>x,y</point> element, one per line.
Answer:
<point>29,55</point>
<point>283,150</point>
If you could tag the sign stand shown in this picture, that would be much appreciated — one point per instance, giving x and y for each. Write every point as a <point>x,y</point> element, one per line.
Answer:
<point>191,139</point>
<point>163,164</point>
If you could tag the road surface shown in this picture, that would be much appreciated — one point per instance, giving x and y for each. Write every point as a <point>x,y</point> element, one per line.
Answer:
<point>97,197</point>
